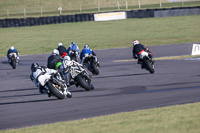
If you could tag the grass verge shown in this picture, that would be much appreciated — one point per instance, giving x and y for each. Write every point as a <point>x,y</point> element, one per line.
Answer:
<point>172,119</point>
<point>101,35</point>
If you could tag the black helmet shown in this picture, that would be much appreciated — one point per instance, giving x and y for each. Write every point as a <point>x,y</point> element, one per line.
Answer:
<point>34,67</point>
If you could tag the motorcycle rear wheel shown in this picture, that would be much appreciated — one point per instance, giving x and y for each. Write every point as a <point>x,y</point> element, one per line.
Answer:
<point>83,83</point>
<point>149,66</point>
<point>55,91</point>
<point>95,69</point>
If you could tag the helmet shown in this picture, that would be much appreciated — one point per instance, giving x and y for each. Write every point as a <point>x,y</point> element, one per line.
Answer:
<point>60,44</point>
<point>67,58</point>
<point>55,52</point>
<point>73,43</point>
<point>135,42</point>
<point>34,66</point>
<point>12,47</point>
<point>86,46</point>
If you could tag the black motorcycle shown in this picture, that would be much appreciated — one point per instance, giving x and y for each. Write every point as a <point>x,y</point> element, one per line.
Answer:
<point>73,55</point>
<point>13,60</point>
<point>92,64</point>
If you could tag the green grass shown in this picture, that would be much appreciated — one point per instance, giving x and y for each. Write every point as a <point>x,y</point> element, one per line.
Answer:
<point>172,119</point>
<point>101,35</point>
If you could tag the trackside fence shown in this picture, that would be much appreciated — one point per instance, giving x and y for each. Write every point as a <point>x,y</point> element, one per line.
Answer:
<point>146,13</point>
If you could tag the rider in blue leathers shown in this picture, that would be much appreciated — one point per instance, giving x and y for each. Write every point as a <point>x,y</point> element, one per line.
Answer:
<point>86,50</point>
<point>73,48</point>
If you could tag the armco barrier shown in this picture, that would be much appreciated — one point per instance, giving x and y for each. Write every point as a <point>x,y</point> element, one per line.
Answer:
<point>165,12</point>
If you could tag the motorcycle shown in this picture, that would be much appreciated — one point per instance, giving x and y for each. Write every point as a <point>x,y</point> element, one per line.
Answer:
<point>91,63</point>
<point>77,73</point>
<point>147,62</point>
<point>73,55</point>
<point>13,60</point>
<point>54,85</point>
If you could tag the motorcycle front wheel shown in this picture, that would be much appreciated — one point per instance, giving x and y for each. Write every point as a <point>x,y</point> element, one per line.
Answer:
<point>56,92</point>
<point>13,63</point>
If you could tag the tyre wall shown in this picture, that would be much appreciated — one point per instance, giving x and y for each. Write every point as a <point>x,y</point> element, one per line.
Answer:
<point>147,13</point>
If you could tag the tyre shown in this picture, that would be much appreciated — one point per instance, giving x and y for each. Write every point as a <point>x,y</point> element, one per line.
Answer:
<point>57,93</point>
<point>83,83</point>
<point>149,66</point>
<point>95,69</point>
<point>13,63</point>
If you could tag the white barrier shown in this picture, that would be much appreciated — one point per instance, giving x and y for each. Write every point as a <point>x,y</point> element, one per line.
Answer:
<point>109,16</point>
<point>196,49</point>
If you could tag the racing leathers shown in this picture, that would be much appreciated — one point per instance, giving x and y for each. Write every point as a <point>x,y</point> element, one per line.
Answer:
<point>53,59</point>
<point>73,48</point>
<point>85,52</point>
<point>138,49</point>
<point>62,50</point>
<point>40,74</point>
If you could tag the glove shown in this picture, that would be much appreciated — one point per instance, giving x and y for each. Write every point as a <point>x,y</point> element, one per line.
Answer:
<point>134,57</point>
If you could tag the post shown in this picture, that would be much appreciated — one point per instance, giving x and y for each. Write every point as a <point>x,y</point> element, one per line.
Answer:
<point>139,4</point>
<point>182,3</point>
<point>7,13</point>
<point>98,7</point>
<point>60,9</point>
<point>160,4</point>
<point>126,5</point>
<point>24,11</point>
<point>41,11</point>
<point>118,5</point>
<point>80,8</point>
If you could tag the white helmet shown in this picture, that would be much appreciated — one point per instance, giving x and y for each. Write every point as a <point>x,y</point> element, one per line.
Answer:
<point>55,51</point>
<point>67,58</point>
<point>135,42</point>
<point>12,47</point>
<point>60,44</point>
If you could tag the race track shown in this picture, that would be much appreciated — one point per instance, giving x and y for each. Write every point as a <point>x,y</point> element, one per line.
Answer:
<point>120,87</point>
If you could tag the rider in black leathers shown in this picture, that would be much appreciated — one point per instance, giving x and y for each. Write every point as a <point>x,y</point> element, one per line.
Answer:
<point>62,50</point>
<point>53,59</point>
<point>138,48</point>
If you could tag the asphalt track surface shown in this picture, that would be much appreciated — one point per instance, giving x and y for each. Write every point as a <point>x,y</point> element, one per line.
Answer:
<point>120,87</point>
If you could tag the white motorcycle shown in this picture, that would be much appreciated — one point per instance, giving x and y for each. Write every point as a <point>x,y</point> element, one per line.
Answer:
<point>54,85</point>
<point>74,70</point>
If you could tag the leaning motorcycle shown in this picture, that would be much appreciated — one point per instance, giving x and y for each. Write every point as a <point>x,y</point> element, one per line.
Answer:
<point>73,55</point>
<point>91,63</point>
<point>147,62</point>
<point>74,70</point>
<point>13,60</point>
<point>54,85</point>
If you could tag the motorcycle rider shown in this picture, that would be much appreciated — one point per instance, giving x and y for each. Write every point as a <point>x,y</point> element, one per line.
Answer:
<point>65,67</point>
<point>87,50</point>
<point>36,72</point>
<point>138,48</point>
<point>73,47</point>
<point>54,59</point>
<point>62,50</point>
<point>10,51</point>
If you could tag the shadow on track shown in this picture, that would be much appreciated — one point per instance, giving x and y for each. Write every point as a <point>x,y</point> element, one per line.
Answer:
<point>19,90</point>
<point>19,95</point>
<point>33,101</point>
<point>124,75</point>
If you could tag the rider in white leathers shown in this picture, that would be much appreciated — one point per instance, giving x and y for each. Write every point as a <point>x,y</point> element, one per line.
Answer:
<point>39,73</point>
